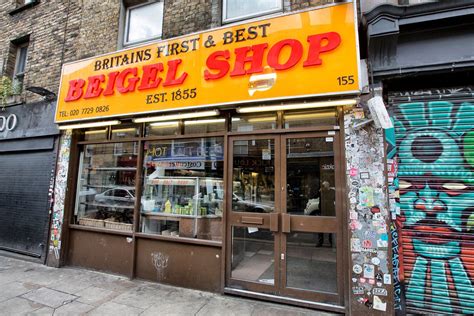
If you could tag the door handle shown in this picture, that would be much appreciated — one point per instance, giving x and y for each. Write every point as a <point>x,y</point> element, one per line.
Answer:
<point>251,220</point>
<point>286,223</point>
<point>274,222</point>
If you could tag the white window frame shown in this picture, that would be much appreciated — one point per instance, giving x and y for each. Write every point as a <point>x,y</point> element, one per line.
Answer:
<point>127,24</point>
<point>248,16</point>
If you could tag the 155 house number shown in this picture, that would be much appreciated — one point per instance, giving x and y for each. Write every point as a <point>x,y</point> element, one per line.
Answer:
<point>8,123</point>
<point>345,80</point>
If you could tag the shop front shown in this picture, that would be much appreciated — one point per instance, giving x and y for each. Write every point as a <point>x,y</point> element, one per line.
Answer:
<point>215,161</point>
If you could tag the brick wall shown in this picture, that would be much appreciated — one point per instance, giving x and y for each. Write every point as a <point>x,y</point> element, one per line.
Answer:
<point>91,28</point>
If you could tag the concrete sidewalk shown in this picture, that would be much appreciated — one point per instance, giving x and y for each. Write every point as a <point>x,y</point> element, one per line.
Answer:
<point>32,289</point>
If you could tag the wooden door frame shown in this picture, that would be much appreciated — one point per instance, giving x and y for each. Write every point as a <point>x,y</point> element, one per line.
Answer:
<point>327,224</point>
<point>232,218</point>
<point>280,208</point>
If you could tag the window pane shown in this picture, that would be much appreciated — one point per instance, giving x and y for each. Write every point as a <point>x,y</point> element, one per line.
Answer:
<point>254,123</point>
<point>243,8</point>
<point>204,126</point>
<point>125,132</point>
<point>310,177</point>
<point>307,119</point>
<point>21,63</point>
<point>311,262</point>
<point>106,186</point>
<point>144,22</point>
<point>183,193</point>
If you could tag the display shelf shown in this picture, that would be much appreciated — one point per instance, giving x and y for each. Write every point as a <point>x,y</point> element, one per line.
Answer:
<point>167,216</point>
<point>108,186</point>
<point>115,206</point>
<point>111,168</point>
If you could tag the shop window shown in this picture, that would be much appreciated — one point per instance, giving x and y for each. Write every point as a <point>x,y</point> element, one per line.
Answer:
<point>234,10</point>
<point>96,134</point>
<point>183,189</point>
<point>312,118</point>
<point>162,128</point>
<point>254,123</point>
<point>143,22</point>
<point>106,195</point>
<point>204,126</point>
<point>121,132</point>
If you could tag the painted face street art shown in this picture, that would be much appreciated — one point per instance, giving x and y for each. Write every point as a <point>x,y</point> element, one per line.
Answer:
<point>436,182</point>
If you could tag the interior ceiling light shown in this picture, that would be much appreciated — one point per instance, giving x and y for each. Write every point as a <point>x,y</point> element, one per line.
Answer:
<point>165,124</point>
<point>173,117</point>
<point>199,122</point>
<point>297,106</point>
<point>88,125</point>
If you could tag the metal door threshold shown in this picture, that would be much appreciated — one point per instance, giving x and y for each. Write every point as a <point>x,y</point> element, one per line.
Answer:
<point>286,300</point>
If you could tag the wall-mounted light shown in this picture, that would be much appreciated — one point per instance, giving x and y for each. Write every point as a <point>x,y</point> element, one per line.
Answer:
<point>89,125</point>
<point>173,117</point>
<point>45,93</point>
<point>297,106</point>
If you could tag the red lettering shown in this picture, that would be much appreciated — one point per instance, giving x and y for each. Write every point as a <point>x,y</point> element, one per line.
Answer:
<point>295,54</point>
<point>93,87</point>
<point>110,89</point>
<point>171,74</point>
<point>129,86</point>
<point>75,90</point>
<point>150,79</point>
<point>242,58</point>
<point>215,63</point>
<point>332,40</point>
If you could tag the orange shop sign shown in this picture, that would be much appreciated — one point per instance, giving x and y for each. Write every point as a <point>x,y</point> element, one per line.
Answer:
<point>304,54</point>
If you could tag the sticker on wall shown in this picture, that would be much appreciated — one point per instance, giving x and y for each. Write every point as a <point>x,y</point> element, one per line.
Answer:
<point>387,279</point>
<point>379,291</point>
<point>367,244</point>
<point>375,261</point>
<point>369,271</point>
<point>358,290</point>
<point>357,268</point>
<point>366,196</point>
<point>378,304</point>
<point>356,245</point>
<point>353,215</point>
<point>353,172</point>
<point>364,175</point>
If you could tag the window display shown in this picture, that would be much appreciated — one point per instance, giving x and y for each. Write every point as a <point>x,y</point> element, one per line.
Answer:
<point>183,189</point>
<point>106,186</point>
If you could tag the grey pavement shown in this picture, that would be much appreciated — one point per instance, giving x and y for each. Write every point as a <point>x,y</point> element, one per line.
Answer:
<point>28,288</point>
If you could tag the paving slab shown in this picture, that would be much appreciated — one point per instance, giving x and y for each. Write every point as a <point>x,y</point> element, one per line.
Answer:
<point>95,295</point>
<point>73,308</point>
<point>141,297</point>
<point>15,288</point>
<point>18,306</point>
<point>218,306</point>
<point>114,309</point>
<point>43,311</point>
<point>49,297</point>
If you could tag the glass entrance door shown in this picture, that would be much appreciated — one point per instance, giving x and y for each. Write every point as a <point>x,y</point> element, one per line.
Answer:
<point>283,231</point>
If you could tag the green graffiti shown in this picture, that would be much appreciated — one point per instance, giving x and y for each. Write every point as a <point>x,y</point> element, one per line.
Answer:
<point>436,180</point>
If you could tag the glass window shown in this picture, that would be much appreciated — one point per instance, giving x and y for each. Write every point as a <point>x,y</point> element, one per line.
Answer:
<point>242,9</point>
<point>125,132</point>
<point>310,118</point>
<point>204,126</point>
<point>162,128</point>
<point>106,186</point>
<point>183,189</point>
<point>254,123</point>
<point>144,22</point>
<point>96,134</point>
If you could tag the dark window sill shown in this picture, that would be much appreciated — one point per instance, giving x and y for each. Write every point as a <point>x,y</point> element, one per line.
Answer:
<point>24,7</point>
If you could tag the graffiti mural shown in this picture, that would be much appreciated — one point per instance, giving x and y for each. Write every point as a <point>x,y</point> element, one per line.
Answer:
<point>434,205</point>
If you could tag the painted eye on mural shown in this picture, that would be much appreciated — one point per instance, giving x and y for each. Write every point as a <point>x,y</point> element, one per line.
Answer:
<point>403,185</point>
<point>453,188</point>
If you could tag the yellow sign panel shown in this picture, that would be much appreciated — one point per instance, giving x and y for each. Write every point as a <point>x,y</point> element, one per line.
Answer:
<point>305,54</point>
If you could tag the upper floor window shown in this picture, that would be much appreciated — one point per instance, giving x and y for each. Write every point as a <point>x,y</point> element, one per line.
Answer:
<point>143,22</point>
<point>234,10</point>
<point>21,54</point>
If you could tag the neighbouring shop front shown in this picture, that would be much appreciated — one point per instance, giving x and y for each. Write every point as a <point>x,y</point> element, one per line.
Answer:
<point>216,161</point>
<point>28,151</point>
<point>425,69</point>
